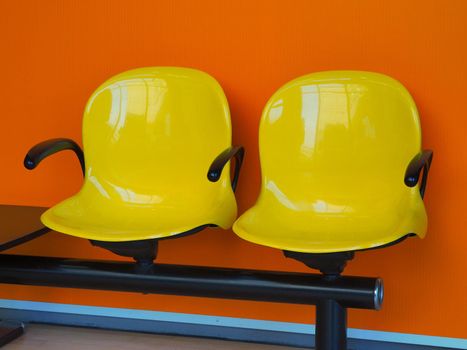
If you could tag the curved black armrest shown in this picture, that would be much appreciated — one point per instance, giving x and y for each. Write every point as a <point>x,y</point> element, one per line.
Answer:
<point>421,161</point>
<point>46,148</point>
<point>215,170</point>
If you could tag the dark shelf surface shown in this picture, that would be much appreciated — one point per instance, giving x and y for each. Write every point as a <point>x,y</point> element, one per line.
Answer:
<point>19,224</point>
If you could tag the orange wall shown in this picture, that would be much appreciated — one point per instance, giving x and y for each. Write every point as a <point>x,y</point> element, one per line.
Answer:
<point>54,53</point>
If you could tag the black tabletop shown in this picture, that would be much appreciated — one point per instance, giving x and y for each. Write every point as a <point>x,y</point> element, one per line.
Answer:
<point>19,224</point>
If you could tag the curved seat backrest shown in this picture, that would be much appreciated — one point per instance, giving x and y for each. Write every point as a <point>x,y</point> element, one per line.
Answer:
<point>338,137</point>
<point>150,135</point>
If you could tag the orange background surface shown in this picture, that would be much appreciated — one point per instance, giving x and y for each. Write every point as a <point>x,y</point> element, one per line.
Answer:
<point>55,53</point>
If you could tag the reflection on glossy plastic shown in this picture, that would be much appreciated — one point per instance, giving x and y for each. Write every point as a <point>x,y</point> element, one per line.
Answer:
<point>334,147</point>
<point>149,138</point>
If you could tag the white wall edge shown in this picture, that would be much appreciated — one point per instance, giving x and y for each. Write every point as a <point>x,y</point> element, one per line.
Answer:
<point>221,321</point>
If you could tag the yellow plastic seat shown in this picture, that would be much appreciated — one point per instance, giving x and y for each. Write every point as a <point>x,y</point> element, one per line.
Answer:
<point>334,150</point>
<point>150,136</point>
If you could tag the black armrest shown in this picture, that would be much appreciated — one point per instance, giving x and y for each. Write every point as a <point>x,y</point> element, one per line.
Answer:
<point>421,161</point>
<point>215,170</point>
<point>46,148</point>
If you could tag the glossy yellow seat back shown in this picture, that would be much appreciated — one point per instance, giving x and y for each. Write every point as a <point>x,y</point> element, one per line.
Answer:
<point>155,131</point>
<point>149,137</point>
<point>334,147</point>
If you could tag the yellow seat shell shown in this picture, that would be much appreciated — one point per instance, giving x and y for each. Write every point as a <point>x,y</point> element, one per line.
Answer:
<point>149,137</point>
<point>334,148</point>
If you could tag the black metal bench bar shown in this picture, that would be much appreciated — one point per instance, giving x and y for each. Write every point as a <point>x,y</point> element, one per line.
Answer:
<point>332,297</point>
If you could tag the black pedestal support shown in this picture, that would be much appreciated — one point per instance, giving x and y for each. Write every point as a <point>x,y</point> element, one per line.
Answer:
<point>331,326</point>
<point>9,331</point>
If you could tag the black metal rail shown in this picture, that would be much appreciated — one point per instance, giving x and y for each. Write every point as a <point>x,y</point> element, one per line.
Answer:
<point>332,297</point>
